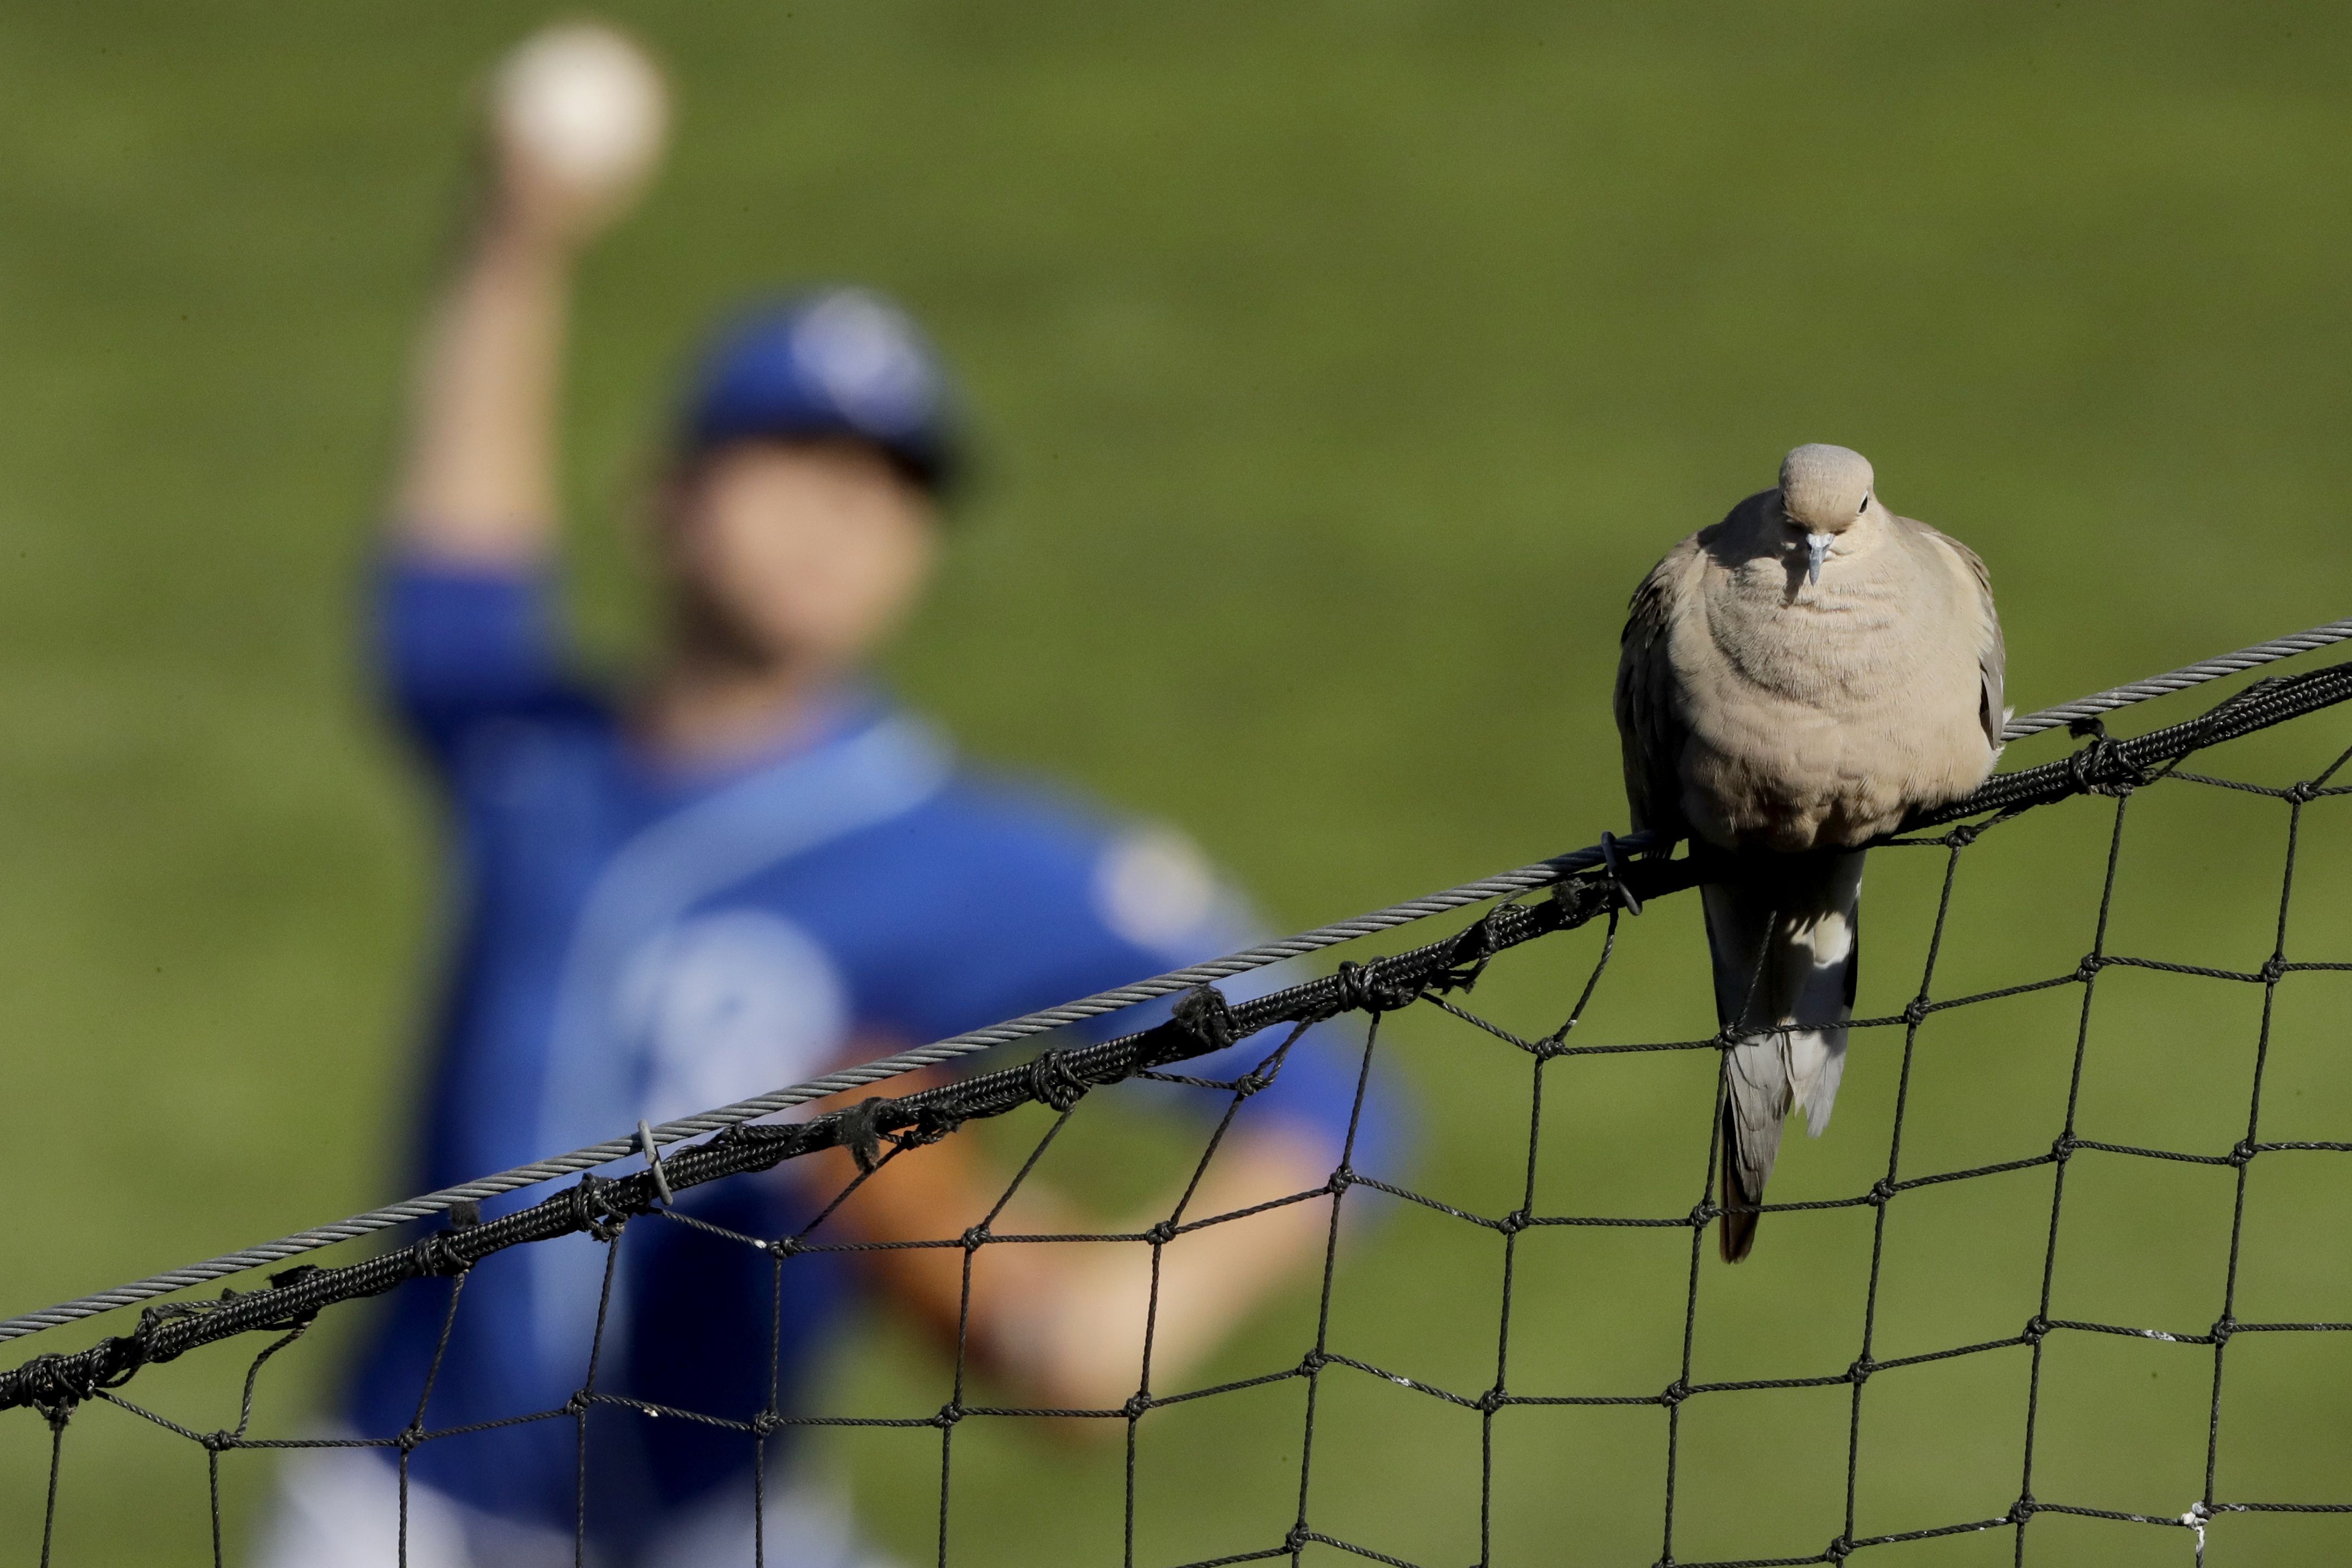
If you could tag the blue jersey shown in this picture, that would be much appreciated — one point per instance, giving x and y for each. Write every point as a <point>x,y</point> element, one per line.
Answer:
<point>632,940</point>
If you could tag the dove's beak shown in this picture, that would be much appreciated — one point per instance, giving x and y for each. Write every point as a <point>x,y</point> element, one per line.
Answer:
<point>1817,546</point>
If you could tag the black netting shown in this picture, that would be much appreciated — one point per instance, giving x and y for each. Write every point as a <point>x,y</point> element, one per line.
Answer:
<point>1580,1267</point>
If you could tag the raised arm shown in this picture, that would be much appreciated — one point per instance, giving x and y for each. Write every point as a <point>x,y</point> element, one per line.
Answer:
<point>574,130</point>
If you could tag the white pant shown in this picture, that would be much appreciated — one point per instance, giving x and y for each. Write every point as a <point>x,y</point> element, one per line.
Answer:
<point>340,1508</point>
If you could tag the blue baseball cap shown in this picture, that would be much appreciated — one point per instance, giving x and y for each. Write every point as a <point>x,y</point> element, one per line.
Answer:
<point>840,362</point>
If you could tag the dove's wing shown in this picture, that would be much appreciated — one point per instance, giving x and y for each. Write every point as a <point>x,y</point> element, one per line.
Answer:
<point>1992,654</point>
<point>1649,721</point>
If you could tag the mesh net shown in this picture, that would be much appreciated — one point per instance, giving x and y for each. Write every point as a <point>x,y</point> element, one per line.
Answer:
<point>2060,1284</point>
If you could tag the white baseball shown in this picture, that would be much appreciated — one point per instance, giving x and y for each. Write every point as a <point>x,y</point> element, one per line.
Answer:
<point>585,103</point>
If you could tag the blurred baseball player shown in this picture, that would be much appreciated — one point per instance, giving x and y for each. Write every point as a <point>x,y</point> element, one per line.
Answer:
<point>742,870</point>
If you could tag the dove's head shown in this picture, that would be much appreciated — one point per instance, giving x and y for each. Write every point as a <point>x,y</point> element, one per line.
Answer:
<point>1824,491</point>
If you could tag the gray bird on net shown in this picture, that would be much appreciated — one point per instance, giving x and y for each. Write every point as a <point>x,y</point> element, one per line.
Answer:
<point>1794,681</point>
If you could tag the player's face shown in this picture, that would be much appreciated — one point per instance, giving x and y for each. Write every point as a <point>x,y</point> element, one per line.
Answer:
<point>811,552</point>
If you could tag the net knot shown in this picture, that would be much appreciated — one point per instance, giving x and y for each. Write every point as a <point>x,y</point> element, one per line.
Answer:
<point>1051,1081</point>
<point>1882,1192</point>
<point>1494,1399</point>
<point>1469,956</point>
<point>1160,1235</point>
<point>784,1246</point>
<point>1620,891</point>
<point>410,1438</point>
<point>1701,1213</point>
<point>932,1122</point>
<point>975,1237</point>
<point>766,1423</point>
<point>1342,1178</point>
<point>2062,1148</point>
<point>1915,1012</point>
<point>1838,1550</point>
<point>2022,1508</point>
<point>1966,834</point>
<point>2223,1326</point>
<point>1312,1363</point>
<point>2274,969</point>
<point>1205,1014</point>
<point>1137,1402</point>
<point>2100,768</point>
<point>2241,1152</point>
<point>1515,1222</point>
<point>860,1131</point>
<point>2037,1328</point>
<point>592,1214</point>
<point>437,1255</point>
<point>55,1384</point>
<point>1363,989</point>
<point>2303,792</point>
<point>2092,963</point>
<point>1674,1394</point>
<point>1250,1082</point>
<point>1861,1370</point>
<point>216,1441</point>
<point>949,1413</point>
<point>1297,1540</point>
<point>1582,898</point>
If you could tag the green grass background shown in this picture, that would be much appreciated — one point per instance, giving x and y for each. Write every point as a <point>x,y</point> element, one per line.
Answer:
<point>1341,368</point>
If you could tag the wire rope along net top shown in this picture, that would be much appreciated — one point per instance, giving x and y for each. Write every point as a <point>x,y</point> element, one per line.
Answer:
<point>1542,873</point>
<point>1536,1371</point>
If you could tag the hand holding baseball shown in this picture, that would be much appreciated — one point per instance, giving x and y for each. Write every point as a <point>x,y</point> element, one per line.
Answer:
<point>579,113</point>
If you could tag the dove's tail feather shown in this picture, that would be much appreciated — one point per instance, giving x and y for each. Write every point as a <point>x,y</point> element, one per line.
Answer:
<point>1736,1232</point>
<point>1781,929</point>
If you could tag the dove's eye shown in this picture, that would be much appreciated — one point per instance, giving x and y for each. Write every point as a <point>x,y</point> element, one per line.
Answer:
<point>1865,506</point>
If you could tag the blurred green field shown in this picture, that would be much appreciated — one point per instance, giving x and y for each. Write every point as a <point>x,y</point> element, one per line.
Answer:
<point>1342,367</point>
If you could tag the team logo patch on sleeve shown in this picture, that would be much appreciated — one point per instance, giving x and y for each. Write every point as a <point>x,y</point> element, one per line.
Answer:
<point>1154,889</point>
<point>728,1004</point>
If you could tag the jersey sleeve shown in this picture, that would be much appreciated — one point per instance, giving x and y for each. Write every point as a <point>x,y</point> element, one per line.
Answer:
<point>458,644</point>
<point>1081,908</point>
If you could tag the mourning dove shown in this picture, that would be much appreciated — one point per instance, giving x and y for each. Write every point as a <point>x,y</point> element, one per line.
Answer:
<point>1794,681</point>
